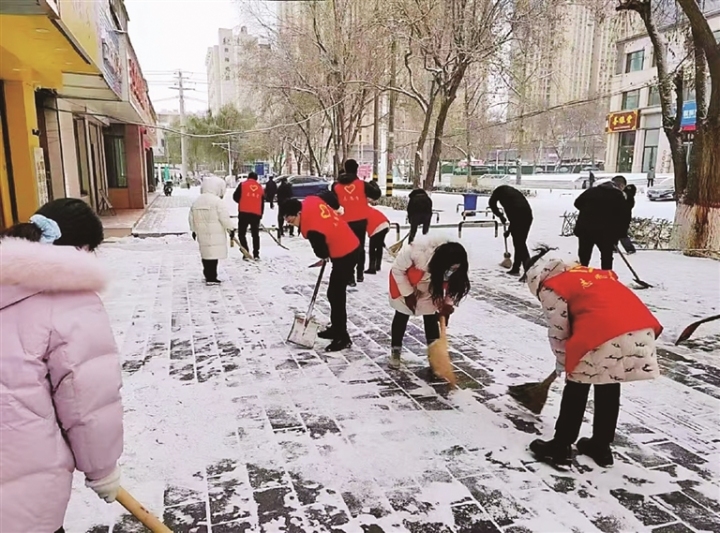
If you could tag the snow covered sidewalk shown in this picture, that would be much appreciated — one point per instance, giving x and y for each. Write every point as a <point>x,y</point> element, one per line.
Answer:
<point>229,429</point>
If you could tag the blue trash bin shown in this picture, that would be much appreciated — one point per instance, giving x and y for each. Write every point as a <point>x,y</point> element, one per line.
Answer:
<point>470,203</point>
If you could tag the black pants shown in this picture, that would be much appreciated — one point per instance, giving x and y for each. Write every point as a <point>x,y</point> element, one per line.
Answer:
<point>572,410</point>
<point>210,269</point>
<point>359,228</point>
<point>416,221</point>
<point>605,244</point>
<point>281,224</point>
<point>253,221</point>
<point>519,231</point>
<point>340,277</point>
<point>400,322</point>
<point>375,249</point>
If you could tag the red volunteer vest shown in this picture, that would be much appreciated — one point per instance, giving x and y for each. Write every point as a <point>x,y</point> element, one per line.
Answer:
<point>353,200</point>
<point>600,308</point>
<point>319,216</point>
<point>251,197</point>
<point>377,221</point>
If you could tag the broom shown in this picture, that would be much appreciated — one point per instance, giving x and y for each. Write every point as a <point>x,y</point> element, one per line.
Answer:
<point>506,262</point>
<point>395,248</point>
<point>141,513</point>
<point>533,395</point>
<point>439,357</point>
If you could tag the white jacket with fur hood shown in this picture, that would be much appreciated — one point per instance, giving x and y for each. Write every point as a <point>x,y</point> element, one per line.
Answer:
<point>210,220</point>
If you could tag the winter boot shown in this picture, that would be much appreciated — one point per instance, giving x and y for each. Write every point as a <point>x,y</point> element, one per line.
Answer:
<point>360,277</point>
<point>339,344</point>
<point>395,360</point>
<point>602,455</point>
<point>370,270</point>
<point>551,452</point>
<point>327,334</point>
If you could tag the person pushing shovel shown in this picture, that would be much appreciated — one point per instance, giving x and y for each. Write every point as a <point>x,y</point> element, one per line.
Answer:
<point>331,238</point>
<point>602,334</point>
<point>519,215</point>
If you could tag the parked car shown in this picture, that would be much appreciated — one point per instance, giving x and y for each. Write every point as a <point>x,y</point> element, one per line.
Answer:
<point>663,191</point>
<point>304,186</point>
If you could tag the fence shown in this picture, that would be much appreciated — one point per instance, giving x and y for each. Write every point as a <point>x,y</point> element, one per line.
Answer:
<point>646,233</point>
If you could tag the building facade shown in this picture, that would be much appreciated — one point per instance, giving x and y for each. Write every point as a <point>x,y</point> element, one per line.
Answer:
<point>76,117</point>
<point>635,140</point>
<point>224,64</point>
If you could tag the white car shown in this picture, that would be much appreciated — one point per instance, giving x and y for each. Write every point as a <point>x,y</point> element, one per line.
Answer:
<point>663,191</point>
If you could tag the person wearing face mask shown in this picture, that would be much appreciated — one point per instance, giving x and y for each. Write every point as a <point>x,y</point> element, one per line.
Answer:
<point>428,278</point>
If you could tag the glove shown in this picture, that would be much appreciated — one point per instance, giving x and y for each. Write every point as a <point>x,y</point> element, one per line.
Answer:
<point>411,302</point>
<point>507,233</point>
<point>503,220</point>
<point>559,368</point>
<point>631,190</point>
<point>340,211</point>
<point>232,235</point>
<point>106,488</point>
<point>194,236</point>
<point>446,310</point>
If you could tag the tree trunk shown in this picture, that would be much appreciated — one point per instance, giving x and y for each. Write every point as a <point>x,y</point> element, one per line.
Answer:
<point>420,145</point>
<point>437,144</point>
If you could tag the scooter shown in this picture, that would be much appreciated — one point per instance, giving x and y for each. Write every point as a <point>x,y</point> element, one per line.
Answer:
<point>168,188</point>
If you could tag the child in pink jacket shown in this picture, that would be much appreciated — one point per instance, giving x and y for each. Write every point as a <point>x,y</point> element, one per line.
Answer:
<point>60,403</point>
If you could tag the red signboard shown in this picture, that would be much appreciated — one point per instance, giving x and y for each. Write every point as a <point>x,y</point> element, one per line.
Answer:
<point>622,121</point>
<point>138,86</point>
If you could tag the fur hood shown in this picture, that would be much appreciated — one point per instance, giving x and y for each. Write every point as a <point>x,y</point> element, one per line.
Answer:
<point>31,267</point>
<point>213,185</point>
<point>423,248</point>
<point>543,270</point>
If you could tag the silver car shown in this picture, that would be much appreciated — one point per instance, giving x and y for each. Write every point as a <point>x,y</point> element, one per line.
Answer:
<point>663,191</point>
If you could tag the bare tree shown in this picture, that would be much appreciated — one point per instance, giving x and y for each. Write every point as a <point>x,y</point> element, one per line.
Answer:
<point>697,183</point>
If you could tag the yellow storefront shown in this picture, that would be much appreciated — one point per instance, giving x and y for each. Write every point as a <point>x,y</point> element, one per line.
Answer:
<point>35,50</point>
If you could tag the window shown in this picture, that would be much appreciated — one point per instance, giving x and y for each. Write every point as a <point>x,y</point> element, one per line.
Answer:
<point>115,160</point>
<point>631,99</point>
<point>654,96</point>
<point>81,154</point>
<point>227,60</point>
<point>652,138</point>
<point>227,49</point>
<point>634,61</point>
<point>626,148</point>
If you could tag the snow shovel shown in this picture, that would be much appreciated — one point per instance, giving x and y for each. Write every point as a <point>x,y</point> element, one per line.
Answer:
<point>533,395</point>
<point>136,509</point>
<point>688,331</point>
<point>643,284</point>
<point>439,357</point>
<point>244,251</point>
<point>304,330</point>
<point>317,264</point>
<point>395,248</point>
<point>269,232</point>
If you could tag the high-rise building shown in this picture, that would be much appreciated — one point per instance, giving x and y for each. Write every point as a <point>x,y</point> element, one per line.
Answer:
<point>224,64</point>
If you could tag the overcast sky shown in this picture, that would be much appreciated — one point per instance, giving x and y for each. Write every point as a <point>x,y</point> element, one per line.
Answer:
<point>175,34</point>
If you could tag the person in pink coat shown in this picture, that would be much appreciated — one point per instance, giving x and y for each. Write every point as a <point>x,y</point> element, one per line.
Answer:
<point>60,405</point>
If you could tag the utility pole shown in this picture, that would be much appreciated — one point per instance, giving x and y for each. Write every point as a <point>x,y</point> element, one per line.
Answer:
<point>391,120</point>
<point>183,136</point>
<point>376,136</point>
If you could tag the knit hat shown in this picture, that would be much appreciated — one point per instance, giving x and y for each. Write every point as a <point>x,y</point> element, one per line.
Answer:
<point>79,225</point>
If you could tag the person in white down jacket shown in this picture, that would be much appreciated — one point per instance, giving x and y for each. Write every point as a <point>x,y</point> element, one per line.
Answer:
<point>602,334</point>
<point>428,278</point>
<point>210,225</point>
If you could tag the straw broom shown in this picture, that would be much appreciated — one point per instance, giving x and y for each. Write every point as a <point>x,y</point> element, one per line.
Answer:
<point>439,356</point>
<point>533,395</point>
<point>394,249</point>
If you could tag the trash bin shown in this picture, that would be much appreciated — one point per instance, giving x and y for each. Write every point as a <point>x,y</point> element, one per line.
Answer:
<point>470,203</point>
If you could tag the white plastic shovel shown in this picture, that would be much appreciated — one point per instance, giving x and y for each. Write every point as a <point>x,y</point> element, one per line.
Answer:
<point>304,330</point>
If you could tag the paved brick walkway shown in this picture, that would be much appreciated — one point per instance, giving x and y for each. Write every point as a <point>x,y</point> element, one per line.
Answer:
<point>341,443</point>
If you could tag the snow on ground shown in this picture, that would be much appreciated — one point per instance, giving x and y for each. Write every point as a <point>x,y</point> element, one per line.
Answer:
<point>229,429</point>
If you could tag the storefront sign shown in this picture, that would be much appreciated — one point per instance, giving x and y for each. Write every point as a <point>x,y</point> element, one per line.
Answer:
<point>689,115</point>
<point>110,47</point>
<point>138,86</point>
<point>622,121</point>
<point>80,17</point>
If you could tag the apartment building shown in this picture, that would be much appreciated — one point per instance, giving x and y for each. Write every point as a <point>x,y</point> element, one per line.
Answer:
<point>227,84</point>
<point>635,140</point>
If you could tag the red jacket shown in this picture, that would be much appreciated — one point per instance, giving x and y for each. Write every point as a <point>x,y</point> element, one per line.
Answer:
<point>319,217</point>
<point>377,221</point>
<point>251,198</point>
<point>353,200</point>
<point>600,308</point>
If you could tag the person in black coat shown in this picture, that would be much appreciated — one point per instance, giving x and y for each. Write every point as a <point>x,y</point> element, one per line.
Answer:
<point>630,192</point>
<point>284,192</point>
<point>603,220</point>
<point>271,191</point>
<point>517,211</point>
<point>419,211</point>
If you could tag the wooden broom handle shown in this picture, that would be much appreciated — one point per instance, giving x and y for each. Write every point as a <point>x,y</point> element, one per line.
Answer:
<point>138,511</point>
<point>443,328</point>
